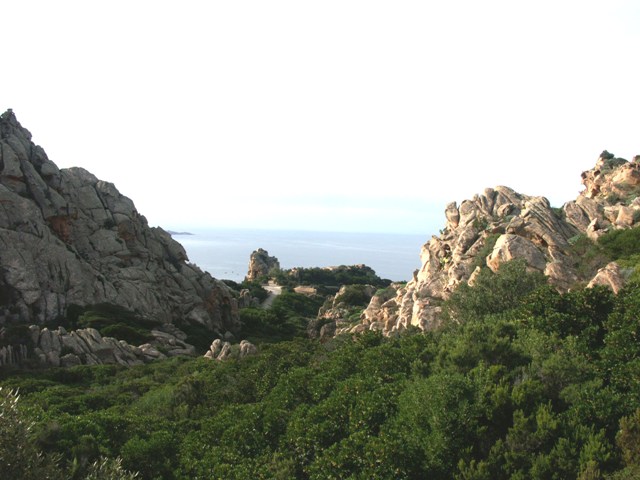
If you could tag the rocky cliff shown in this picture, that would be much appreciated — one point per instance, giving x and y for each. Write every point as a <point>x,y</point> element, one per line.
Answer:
<point>500,225</point>
<point>68,238</point>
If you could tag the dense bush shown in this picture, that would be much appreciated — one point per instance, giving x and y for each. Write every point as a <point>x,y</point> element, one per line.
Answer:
<point>621,244</point>
<point>285,319</point>
<point>354,296</point>
<point>331,277</point>
<point>541,385</point>
<point>493,292</point>
<point>110,320</point>
<point>255,289</point>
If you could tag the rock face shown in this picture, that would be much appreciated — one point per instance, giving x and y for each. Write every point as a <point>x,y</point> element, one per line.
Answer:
<point>500,225</point>
<point>68,238</point>
<point>260,264</point>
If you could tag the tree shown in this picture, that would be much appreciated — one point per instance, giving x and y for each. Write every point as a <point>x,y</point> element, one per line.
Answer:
<point>109,469</point>
<point>19,457</point>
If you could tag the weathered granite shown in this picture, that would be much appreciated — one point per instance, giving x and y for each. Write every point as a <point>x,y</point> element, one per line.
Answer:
<point>222,350</point>
<point>500,225</point>
<point>68,238</point>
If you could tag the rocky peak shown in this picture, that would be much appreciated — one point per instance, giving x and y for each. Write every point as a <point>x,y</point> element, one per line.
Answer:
<point>68,238</point>
<point>500,225</point>
<point>610,197</point>
<point>611,176</point>
<point>260,264</point>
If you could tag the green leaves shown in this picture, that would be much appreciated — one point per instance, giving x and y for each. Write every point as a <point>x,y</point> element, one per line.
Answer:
<point>541,386</point>
<point>493,293</point>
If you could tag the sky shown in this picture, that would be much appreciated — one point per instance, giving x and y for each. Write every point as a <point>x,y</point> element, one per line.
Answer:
<point>324,115</point>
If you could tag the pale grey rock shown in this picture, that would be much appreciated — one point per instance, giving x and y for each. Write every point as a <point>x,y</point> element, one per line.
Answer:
<point>149,352</point>
<point>247,349</point>
<point>625,217</point>
<point>376,326</point>
<point>221,350</point>
<point>214,349</point>
<point>67,238</point>
<point>358,328</point>
<point>225,352</point>
<point>86,346</point>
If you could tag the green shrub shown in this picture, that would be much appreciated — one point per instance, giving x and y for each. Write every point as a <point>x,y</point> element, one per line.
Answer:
<point>337,276</point>
<point>480,223</point>
<point>487,248</point>
<point>131,335</point>
<point>613,198</point>
<point>558,212</point>
<point>255,289</point>
<point>19,456</point>
<point>15,335</point>
<point>197,335</point>
<point>588,256</point>
<point>621,244</point>
<point>354,295</point>
<point>493,292</point>
<point>112,321</point>
<point>109,469</point>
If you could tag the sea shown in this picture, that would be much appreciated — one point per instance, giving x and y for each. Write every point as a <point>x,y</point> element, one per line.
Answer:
<point>224,253</point>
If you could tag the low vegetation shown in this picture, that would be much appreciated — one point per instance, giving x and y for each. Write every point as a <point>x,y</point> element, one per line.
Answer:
<point>541,385</point>
<point>286,319</point>
<point>522,382</point>
<point>329,280</point>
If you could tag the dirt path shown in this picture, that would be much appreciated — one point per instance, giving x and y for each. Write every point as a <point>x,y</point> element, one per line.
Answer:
<point>274,291</point>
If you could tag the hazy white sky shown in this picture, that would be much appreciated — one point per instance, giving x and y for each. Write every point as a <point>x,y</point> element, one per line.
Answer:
<point>335,115</point>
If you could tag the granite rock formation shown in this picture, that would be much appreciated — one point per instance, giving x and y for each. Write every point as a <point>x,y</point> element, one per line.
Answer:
<point>500,225</point>
<point>260,264</point>
<point>334,315</point>
<point>221,350</point>
<point>68,238</point>
<point>85,346</point>
<point>610,197</point>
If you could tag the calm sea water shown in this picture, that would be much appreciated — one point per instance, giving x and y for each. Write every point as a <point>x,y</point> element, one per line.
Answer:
<point>225,253</point>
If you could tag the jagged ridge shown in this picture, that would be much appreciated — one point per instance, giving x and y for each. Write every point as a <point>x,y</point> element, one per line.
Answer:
<point>500,225</point>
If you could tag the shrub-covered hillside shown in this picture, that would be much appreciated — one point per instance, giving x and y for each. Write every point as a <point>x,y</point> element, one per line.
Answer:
<point>537,386</point>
